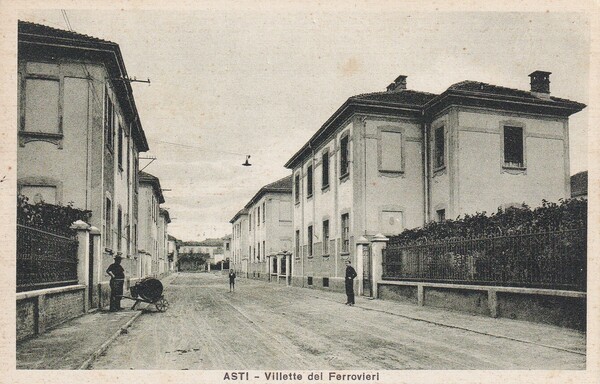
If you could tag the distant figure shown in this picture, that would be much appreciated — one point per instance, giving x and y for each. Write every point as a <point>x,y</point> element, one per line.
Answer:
<point>350,275</point>
<point>231,280</point>
<point>117,278</point>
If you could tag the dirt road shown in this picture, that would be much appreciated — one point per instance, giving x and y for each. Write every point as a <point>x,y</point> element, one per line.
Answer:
<point>269,326</point>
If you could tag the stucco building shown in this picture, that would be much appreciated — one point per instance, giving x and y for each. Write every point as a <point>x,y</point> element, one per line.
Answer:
<point>265,246</point>
<point>391,160</point>
<point>149,249</point>
<point>80,136</point>
<point>239,241</point>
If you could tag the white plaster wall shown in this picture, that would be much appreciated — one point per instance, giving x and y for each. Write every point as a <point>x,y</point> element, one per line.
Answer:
<point>394,191</point>
<point>484,185</point>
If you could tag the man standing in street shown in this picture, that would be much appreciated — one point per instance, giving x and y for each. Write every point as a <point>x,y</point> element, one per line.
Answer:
<point>231,280</point>
<point>117,278</point>
<point>350,275</point>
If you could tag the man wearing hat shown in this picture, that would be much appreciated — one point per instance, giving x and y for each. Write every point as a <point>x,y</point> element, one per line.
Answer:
<point>117,278</point>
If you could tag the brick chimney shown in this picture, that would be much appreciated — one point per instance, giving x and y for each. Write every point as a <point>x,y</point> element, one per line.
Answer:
<point>398,85</point>
<point>540,82</point>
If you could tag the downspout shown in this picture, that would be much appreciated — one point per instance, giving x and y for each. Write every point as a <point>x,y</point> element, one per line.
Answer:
<point>364,144</point>
<point>425,147</point>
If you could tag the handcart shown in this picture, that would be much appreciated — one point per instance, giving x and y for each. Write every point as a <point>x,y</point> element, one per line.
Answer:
<point>148,290</point>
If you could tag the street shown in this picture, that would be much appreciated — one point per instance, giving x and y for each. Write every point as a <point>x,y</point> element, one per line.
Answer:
<point>270,326</point>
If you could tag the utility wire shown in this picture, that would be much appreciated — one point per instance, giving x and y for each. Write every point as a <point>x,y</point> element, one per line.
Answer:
<point>203,149</point>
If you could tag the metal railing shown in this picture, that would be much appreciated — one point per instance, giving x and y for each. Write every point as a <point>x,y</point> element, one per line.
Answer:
<point>44,259</point>
<point>552,259</point>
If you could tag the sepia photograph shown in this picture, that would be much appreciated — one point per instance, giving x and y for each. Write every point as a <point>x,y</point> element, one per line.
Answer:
<point>354,192</point>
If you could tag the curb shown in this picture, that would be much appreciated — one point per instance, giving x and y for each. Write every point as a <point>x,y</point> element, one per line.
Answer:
<point>86,364</point>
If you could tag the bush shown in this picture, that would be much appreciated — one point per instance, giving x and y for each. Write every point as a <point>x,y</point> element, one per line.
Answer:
<point>569,213</point>
<point>49,217</point>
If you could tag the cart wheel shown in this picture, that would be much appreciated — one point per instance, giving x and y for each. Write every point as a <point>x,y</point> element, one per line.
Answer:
<point>162,304</point>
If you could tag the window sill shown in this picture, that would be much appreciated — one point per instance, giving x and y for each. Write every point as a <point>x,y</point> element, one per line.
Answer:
<point>326,256</point>
<point>308,197</point>
<point>325,188</point>
<point>514,167</point>
<point>344,253</point>
<point>344,177</point>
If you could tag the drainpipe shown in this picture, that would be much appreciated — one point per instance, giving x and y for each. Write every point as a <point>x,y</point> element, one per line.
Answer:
<point>425,147</point>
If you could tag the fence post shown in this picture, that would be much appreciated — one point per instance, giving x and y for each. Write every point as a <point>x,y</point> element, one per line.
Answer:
<point>97,267</point>
<point>378,244</point>
<point>361,242</point>
<point>83,258</point>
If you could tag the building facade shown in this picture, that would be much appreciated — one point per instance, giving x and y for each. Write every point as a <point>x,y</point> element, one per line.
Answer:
<point>79,137</point>
<point>398,159</point>
<point>149,241</point>
<point>239,242</point>
<point>268,238</point>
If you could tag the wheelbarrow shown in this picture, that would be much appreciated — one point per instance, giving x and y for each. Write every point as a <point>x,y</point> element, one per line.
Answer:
<point>148,290</point>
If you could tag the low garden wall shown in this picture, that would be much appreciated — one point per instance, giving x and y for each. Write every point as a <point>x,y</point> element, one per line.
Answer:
<point>548,306</point>
<point>44,309</point>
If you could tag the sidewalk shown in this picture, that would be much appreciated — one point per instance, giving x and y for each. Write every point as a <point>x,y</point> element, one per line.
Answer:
<point>74,344</point>
<point>70,345</point>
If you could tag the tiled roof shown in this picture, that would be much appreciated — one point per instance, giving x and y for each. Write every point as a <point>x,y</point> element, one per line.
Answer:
<point>211,243</point>
<point>241,212</point>
<point>404,97</point>
<point>490,89</point>
<point>579,184</point>
<point>284,184</point>
<point>281,185</point>
<point>26,27</point>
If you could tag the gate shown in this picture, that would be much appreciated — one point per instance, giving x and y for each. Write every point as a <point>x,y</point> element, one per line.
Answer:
<point>367,271</point>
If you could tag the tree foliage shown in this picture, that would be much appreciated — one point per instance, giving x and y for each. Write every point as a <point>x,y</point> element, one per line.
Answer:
<point>49,217</point>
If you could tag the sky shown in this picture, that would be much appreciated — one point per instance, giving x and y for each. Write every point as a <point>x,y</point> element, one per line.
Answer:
<point>231,83</point>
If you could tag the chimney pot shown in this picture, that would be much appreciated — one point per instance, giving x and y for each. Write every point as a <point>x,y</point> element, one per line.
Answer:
<point>398,85</point>
<point>540,81</point>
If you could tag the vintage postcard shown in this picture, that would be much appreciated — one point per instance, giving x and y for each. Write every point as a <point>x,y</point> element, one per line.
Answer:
<point>300,192</point>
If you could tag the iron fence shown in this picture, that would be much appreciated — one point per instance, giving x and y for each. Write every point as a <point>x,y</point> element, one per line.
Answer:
<point>44,259</point>
<point>551,259</point>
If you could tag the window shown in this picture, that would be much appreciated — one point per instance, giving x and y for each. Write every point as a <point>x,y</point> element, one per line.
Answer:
<point>108,121</point>
<point>309,280</point>
<point>249,251</point>
<point>390,155</point>
<point>258,252</point>
<point>249,223</point>
<point>264,249</point>
<point>108,224</point>
<point>310,241</point>
<point>326,282</point>
<point>297,249</point>
<point>513,147</point>
<point>326,237</point>
<point>441,215</point>
<point>439,148</point>
<point>344,156</point>
<point>345,233</point>
<point>119,228</point>
<point>42,106</point>
<point>309,181</point>
<point>258,217</point>
<point>227,246</point>
<point>297,188</point>
<point>264,211</point>
<point>120,147</point>
<point>325,171</point>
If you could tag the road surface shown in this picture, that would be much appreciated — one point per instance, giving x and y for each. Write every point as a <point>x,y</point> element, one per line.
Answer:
<point>267,326</point>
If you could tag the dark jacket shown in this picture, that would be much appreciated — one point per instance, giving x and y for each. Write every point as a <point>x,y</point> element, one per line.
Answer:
<point>350,273</point>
